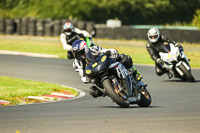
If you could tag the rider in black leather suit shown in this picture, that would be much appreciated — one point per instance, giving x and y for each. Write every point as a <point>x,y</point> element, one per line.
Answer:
<point>156,43</point>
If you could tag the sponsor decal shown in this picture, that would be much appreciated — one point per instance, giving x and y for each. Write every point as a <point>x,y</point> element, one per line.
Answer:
<point>121,71</point>
<point>75,48</point>
<point>88,71</point>
<point>94,64</point>
<point>83,43</point>
<point>103,58</point>
<point>113,65</point>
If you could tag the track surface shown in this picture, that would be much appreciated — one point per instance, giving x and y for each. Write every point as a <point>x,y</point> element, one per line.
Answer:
<point>175,107</point>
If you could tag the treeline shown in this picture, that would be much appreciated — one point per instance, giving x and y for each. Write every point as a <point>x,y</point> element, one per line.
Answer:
<point>128,11</point>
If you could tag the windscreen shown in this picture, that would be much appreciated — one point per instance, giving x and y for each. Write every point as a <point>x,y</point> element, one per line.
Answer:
<point>90,57</point>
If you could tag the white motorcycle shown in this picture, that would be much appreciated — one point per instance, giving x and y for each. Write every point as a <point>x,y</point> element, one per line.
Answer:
<point>176,62</point>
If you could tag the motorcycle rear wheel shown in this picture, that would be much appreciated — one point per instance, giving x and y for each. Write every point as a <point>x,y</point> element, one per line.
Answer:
<point>112,92</point>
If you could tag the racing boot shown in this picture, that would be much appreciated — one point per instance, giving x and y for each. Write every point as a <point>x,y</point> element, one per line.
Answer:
<point>70,55</point>
<point>95,92</point>
<point>135,73</point>
<point>169,74</point>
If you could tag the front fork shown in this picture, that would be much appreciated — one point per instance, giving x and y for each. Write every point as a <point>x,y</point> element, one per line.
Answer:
<point>134,96</point>
<point>125,80</point>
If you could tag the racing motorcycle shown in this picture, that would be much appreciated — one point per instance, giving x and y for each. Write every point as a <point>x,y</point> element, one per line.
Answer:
<point>176,62</point>
<point>113,80</point>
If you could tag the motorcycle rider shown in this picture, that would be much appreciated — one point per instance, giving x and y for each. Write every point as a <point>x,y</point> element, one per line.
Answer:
<point>69,35</point>
<point>80,49</point>
<point>155,44</point>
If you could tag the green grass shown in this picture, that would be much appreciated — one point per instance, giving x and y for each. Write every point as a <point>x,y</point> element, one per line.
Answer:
<point>51,45</point>
<point>137,50</point>
<point>13,89</point>
<point>44,45</point>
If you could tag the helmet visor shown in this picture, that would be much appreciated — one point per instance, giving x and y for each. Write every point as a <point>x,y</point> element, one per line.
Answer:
<point>68,30</point>
<point>153,37</point>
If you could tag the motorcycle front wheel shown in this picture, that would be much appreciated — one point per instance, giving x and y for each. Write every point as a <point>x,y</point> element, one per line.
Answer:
<point>145,98</point>
<point>187,74</point>
<point>116,96</point>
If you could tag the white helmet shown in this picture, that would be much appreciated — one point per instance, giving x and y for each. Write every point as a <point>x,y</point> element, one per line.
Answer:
<point>68,28</point>
<point>153,34</point>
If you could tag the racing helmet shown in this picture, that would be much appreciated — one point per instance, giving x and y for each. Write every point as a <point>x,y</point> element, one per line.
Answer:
<point>79,49</point>
<point>68,28</point>
<point>153,34</point>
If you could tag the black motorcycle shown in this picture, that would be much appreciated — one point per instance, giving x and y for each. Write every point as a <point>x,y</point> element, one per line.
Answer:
<point>113,80</point>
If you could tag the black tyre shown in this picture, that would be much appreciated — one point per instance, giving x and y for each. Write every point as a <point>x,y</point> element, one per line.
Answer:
<point>112,92</point>
<point>90,28</point>
<point>10,26</point>
<point>32,27</point>
<point>24,26</point>
<point>48,27</point>
<point>187,74</point>
<point>40,27</point>
<point>81,25</point>
<point>57,27</point>
<point>145,98</point>
<point>2,25</point>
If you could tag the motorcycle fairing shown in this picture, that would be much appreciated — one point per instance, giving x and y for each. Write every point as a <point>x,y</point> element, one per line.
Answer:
<point>120,70</point>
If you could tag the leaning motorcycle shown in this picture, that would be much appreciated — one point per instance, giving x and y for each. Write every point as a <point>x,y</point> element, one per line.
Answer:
<point>176,62</point>
<point>113,80</point>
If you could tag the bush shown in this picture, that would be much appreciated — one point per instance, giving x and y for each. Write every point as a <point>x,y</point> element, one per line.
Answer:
<point>128,11</point>
<point>196,19</point>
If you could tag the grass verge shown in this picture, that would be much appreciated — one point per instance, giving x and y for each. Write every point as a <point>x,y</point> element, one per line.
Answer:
<point>14,90</point>
<point>51,45</point>
<point>137,50</point>
<point>42,45</point>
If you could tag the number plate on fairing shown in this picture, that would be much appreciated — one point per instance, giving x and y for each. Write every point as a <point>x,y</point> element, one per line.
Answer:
<point>135,99</point>
<point>132,99</point>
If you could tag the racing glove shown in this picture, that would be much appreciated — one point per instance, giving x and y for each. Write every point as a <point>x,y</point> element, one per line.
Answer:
<point>138,77</point>
<point>179,46</point>
<point>136,73</point>
<point>95,50</point>
<point>85,80</point>
<point>160,62</point>
<point>114,53</point>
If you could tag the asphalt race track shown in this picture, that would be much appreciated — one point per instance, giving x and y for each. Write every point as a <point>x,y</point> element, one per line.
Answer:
<point>175,107</point>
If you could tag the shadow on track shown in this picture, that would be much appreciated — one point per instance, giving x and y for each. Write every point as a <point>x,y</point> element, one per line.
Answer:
<point>131,107</point>
<point>176,80</point>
